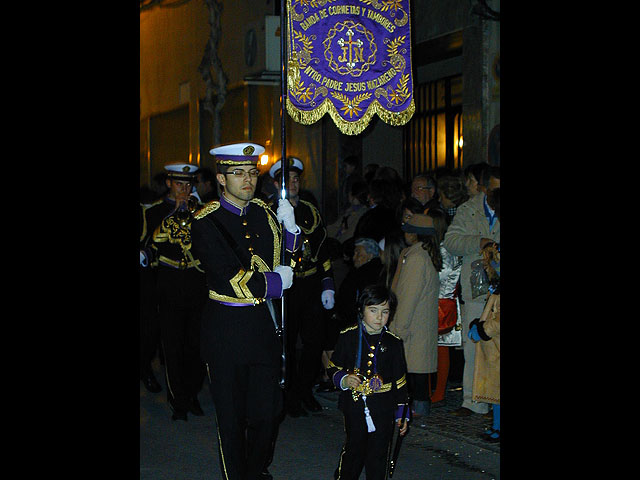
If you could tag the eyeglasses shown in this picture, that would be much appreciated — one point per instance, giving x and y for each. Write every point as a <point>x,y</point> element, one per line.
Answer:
<point>238,172</point>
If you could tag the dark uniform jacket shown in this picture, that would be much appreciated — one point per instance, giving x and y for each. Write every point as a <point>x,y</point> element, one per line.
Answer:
<point>389,362</point>
<point>313,257</point>
<point>236,323</point>
<point>165,240</point>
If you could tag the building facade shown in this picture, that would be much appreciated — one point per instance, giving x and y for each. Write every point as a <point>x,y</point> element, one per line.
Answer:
<point>456,64</point>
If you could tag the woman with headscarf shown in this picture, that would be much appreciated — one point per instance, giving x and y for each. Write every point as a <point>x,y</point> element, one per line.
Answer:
<point>416,284</point>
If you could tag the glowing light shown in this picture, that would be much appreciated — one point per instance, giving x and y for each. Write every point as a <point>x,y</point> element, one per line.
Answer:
<point>460,143</point>
<point>264,159</point>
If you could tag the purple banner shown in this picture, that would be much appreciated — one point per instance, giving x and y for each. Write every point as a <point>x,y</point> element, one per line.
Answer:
<point>351,59</point>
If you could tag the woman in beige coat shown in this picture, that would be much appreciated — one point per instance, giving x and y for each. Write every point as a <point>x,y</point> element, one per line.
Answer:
<point>416,284</point>
<point>485,331</point>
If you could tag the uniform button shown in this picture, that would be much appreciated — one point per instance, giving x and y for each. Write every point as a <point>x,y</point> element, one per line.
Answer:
<point>248,235</point>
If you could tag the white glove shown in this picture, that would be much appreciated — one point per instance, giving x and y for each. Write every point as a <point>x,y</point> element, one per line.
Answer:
<point>327,299</point>
<point>286,275</point>
<point>143,259</point>
<point>285,215</point>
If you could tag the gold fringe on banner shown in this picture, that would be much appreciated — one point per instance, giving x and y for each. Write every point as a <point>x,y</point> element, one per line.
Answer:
<point>346,127</point>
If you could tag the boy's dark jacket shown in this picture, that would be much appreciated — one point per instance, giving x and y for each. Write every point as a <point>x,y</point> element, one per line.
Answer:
<point>390,362</point>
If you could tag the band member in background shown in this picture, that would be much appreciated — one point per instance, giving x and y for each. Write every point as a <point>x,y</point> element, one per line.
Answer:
<point>312,291</point>
<point>181,289</point>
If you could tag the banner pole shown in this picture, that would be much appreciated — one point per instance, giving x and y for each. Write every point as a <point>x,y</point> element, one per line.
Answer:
<point>284,171</point>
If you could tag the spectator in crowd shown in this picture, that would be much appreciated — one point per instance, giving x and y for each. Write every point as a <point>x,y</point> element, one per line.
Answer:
<point>485,332</point>
<point>473,175</point>
<point>474,226</point>
<point>392,246</point>
<point>423,189</point>
<point>343,228</point>
<point>452,192</point>
<point>449,320</point>
<point>352,175</point>
<point>381,217</point>
<point>416,284</point>
<point>370,171</point>
<point>367,266</point>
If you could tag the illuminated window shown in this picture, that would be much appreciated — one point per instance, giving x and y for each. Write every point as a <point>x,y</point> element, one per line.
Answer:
<point>433,137</point>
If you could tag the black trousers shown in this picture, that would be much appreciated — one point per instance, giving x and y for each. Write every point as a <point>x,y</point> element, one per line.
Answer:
<point>248,401</point>
<point>304,318</point>
<point>149,320</point>
<point>181,296</point>
<point>364,449</point>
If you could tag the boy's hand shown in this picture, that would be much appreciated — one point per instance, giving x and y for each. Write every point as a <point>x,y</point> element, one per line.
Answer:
<point>352,381</point>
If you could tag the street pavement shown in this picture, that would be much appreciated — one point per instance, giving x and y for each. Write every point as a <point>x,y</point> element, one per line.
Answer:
<point>440,447</point>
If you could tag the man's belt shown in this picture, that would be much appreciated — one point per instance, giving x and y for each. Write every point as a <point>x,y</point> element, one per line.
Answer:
<point>306,273</point>
<point>235,301</point>
<point>182,264</point>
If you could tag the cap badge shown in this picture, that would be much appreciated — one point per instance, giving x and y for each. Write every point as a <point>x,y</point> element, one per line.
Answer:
<point>248,150</point>
<point>186,168</point>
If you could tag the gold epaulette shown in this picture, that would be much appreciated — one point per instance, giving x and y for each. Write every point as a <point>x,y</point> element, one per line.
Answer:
<point>265,205</point>
<point>393,334</point>
<point>260,202</point>
<point>206,209</point>
<point>316,217</point>
<point>352,327</point>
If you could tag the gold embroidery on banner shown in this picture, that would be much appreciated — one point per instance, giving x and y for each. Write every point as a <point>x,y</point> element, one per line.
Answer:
<point>346,127</point>
<point>352,51</point>
<point>351,106</point>
<point>305,4</point>
<point>400,93</point>
<point>390,5</point>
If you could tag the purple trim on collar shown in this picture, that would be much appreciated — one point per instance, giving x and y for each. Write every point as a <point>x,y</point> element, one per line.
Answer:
<point>233,208</point>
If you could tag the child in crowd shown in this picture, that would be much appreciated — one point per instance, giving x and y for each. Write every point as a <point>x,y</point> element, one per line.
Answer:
<point>368,365</point>
<point>485,331</point>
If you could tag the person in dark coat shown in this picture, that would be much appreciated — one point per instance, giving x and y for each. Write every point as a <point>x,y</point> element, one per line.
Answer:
<point>310,296</point>
<point>238,241</point>
<point>368,365</point>
<point>180,288</point>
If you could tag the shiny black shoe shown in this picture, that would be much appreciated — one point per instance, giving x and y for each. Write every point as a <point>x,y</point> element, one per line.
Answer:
<point>311,404</point>
<point>195,408</point>
<point>179,415</point>
<point>150,383</point>
<point>265,475</point>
